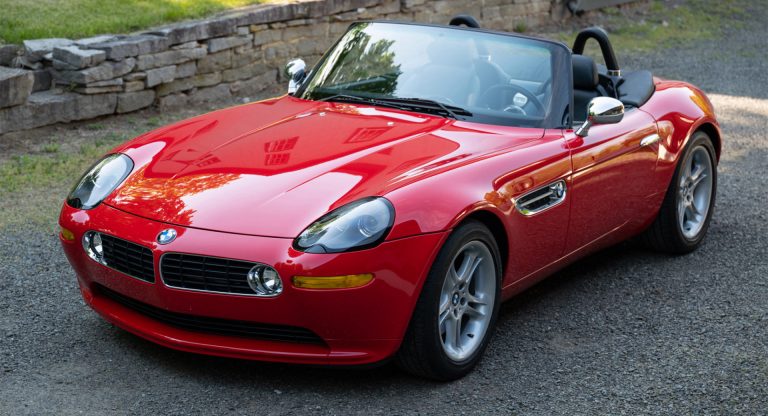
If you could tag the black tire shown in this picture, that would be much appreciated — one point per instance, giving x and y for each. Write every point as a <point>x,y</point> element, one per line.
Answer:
<point>421,352</point>
<point>666,233</point>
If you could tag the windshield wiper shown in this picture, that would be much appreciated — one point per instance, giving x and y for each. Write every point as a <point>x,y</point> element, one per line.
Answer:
<point>414,104</point>
<point>431,106</point>
<point>363,100</point>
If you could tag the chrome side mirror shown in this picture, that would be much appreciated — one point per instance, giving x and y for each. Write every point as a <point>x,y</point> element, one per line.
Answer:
<point>601,110</point>
<point>295,71</point>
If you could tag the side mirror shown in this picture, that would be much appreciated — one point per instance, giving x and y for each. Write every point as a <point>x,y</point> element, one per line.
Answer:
<point>601,110</point>
<point>295,71</point>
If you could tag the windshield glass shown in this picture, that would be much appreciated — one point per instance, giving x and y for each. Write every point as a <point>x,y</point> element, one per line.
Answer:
<point>479,76</point>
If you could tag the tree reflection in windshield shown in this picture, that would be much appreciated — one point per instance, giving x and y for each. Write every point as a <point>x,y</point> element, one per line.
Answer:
<point>365,65</point>
<point>384,63</point>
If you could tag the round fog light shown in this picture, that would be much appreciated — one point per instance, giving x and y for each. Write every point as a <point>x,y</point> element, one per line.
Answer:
<point>93,246</point>
<point>264,280</point>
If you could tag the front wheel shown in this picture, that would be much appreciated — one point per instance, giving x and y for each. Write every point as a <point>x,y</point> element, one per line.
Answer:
<point>457,309</point>
<point>685,214</point>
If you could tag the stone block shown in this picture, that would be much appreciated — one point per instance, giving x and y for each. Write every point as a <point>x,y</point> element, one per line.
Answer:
<point>207,80</point>
<point>132,86</point>
<point>104,71</point>
<point>98,90</point>
<point>106,83</point>
<point>87,42</point>
<point>245,57</point>
<point>186,69</point>
<point>173,101</point>
<point>243,30</point>
<point>134,45</point>
<point>278,51</point>
<point>217,93</point>
<point>215,62</point>
<point>160,75</point>
<point>135,76</point>
<point>78,58</point>
<point>248,71</point>
<point>15,86</point>
<point>253,86</point>
<point>178,85</point>
<point>63,66</point>
<point>187,45</point>
<point>271,13</point>
<point>171,57</point>
<point>8,53</point>
<point>336,7</point>
<point>220,44</point>
<point>38,48</point>
<point>49,107</point>
<point>202,29</point>
<point>267,36</point>
<point>132,101</point>
<point>43,80</point>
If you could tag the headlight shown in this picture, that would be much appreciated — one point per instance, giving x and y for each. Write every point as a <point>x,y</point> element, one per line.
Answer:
<point>356,226</point>
<point>100,181</point>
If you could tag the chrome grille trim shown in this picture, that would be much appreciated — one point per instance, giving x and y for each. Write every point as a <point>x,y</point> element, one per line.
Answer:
<point>208,278</point>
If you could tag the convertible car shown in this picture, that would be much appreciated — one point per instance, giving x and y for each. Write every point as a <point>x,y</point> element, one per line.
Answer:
<point>412,180</point>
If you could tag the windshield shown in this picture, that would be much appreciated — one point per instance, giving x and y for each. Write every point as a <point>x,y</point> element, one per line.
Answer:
<point>473,75</point>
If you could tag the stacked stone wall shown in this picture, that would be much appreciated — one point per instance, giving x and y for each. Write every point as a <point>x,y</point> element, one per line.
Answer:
<point>238,54</point>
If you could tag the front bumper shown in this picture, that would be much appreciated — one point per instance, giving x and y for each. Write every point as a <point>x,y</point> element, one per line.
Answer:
<point>358,325</point>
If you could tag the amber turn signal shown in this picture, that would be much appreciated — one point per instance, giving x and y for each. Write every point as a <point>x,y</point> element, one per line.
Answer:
<point>67,235</point>
<point>332,282</point>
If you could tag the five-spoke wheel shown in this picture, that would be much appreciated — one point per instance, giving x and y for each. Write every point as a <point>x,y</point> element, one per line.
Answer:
<point>688,205</point>
<point>456,311</point>
<point>695,192</point>
<point>466,300</point>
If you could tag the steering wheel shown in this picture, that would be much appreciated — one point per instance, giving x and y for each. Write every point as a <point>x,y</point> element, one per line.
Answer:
<point>512,88</point>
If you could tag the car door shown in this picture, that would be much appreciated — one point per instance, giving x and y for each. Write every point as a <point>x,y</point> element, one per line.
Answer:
<point>534,190</point>
<point>613,174</point>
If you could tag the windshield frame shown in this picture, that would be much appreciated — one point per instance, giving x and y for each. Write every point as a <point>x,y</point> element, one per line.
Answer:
<point>558,118</point>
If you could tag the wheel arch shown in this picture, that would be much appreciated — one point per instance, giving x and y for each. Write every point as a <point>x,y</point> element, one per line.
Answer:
<point>496,226</point>
<point>714,133</point>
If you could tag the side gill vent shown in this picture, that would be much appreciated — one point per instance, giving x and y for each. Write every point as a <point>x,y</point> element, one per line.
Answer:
<point>541,199</point>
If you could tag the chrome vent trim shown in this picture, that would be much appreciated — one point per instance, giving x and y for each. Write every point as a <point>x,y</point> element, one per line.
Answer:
<point>541,199</point>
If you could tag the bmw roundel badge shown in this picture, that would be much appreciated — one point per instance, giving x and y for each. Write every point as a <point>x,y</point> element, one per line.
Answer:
<point>166,236</point>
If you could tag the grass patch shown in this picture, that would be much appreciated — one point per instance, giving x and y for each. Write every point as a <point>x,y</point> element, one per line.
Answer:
<point>665,26</point>
<point>34,186</point>
<point>33,19</point>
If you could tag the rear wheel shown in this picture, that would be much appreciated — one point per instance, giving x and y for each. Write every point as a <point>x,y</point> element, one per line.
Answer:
<point>685,214</point>
<point>457,309</point>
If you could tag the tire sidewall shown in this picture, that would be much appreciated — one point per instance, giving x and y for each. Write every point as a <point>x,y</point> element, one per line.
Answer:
<point>698,139</point>
<point>470,231</point>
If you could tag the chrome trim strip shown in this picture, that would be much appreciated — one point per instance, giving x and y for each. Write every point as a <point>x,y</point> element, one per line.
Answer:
<point>553,189</point>
<point>649,140</point>
<point>254,263</point>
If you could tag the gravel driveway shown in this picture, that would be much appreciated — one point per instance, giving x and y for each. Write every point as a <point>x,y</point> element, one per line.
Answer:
<point>625,331</point>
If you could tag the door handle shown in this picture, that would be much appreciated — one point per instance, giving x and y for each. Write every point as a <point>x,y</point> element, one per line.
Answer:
<point>649,140</point>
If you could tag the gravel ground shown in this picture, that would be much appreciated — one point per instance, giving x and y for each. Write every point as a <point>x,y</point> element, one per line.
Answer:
<point>625,331</point>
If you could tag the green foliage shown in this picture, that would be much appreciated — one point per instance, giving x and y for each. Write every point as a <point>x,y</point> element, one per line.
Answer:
<point>33,19</point>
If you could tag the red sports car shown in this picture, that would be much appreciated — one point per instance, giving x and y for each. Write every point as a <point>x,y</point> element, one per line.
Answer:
<point>410,182</point>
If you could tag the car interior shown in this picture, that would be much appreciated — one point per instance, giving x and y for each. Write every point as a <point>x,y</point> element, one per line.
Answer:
<point>590,80</point>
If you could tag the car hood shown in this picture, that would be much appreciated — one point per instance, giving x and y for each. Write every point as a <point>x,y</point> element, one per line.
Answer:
<point>273,167</point>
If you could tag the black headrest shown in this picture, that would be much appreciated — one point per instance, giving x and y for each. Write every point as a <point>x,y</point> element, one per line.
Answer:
<point>584,73</point>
